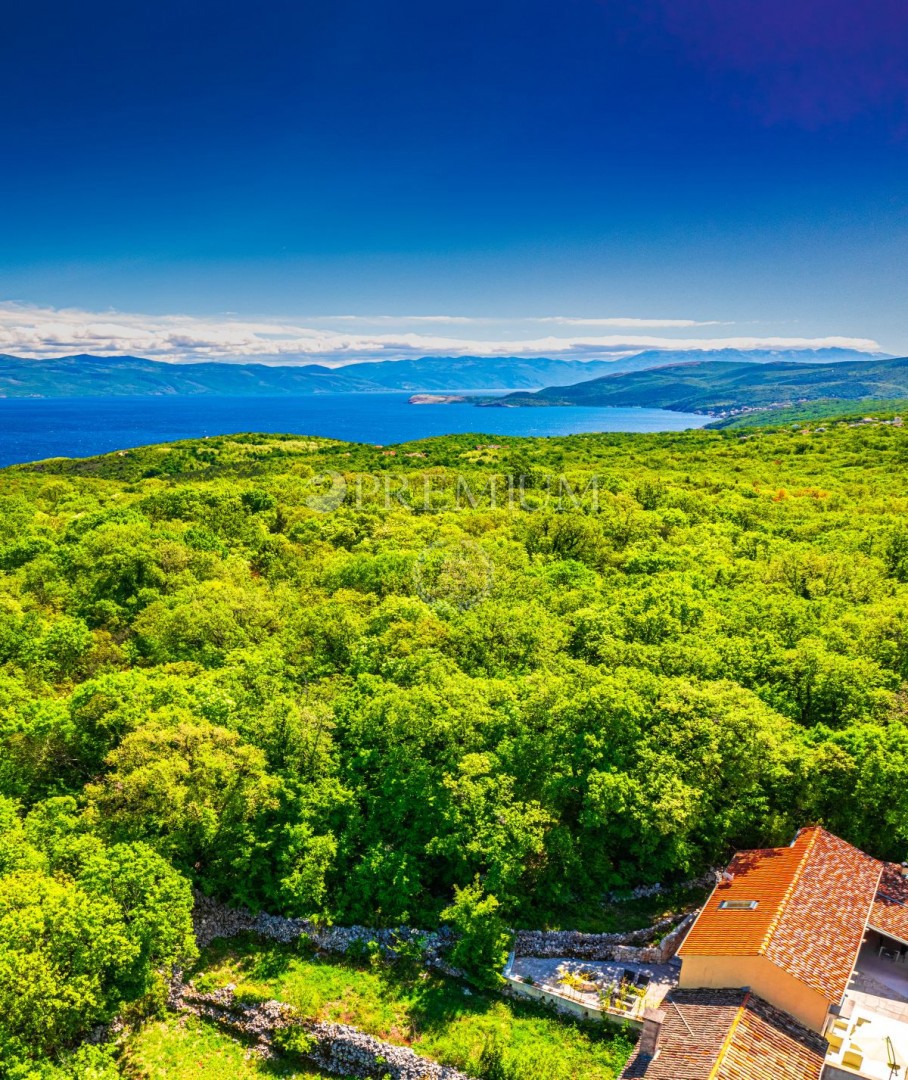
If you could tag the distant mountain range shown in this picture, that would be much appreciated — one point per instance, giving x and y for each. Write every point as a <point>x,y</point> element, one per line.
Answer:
<point>722,388</point>
<point>97,376</point>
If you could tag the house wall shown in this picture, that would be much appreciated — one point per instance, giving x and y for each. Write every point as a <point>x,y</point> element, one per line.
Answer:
<point>764,978</point>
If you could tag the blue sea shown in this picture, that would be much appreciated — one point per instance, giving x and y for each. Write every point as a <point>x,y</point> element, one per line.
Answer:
<point>36,428</point>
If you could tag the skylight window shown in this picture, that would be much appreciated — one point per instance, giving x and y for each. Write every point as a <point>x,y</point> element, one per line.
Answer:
<point>738,905</point>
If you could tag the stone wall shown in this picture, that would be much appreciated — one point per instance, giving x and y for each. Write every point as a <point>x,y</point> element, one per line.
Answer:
<point>560,1003</point>
<point>336,1048</point>
<point>642,892</point>
<point>672,941</point>
<point>212,919</point>
<point>346,1051</point>
<point>571,943</point>
<point>621,947</point>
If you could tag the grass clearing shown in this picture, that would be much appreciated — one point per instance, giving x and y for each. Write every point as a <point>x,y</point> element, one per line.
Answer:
<point>437,1017</point>
<point>175,1049</point>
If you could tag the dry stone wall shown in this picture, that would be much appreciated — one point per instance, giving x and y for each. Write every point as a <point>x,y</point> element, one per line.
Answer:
<point>622,947</point>
<point>642,892</point>
<point>348,1052</point>
<point>336,1048</point>
<point>344,1050</point>
<point>212,919</point>
<point>557,943</point>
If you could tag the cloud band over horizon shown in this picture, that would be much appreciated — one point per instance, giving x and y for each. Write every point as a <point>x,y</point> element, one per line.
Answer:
<point>47,333</point>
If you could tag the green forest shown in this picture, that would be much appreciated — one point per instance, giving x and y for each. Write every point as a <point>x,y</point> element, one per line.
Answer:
<point>381,685</point>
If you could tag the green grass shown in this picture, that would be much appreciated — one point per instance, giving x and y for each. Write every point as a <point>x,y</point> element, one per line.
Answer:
<point>175,1049</point>
<point>438,1018</point>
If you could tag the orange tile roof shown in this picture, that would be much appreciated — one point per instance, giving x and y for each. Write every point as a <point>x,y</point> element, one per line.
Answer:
<point>813,900</point>
<point>728,1035</point>
<point>890,908</point>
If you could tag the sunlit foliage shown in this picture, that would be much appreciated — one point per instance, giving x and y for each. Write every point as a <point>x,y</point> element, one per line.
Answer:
<point>377,686</point>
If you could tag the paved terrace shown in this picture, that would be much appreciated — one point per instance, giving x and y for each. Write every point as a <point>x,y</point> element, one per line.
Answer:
<point>598,975</point>
<point>879,985</point>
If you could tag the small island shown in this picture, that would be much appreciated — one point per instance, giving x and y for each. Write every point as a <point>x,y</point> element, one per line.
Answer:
<point>437,399</point>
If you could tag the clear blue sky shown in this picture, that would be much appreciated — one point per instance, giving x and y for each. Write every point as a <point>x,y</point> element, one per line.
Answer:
<point>735,161</point>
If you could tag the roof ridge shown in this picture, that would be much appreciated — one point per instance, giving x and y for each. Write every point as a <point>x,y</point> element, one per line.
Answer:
<point>786,898</point>
<point>729,1036</point>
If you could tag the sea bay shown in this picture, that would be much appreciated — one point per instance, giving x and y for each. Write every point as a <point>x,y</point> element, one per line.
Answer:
<point>36,428</point>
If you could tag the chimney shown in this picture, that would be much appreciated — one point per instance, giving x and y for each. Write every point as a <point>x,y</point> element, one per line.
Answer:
<point>652,1029</point>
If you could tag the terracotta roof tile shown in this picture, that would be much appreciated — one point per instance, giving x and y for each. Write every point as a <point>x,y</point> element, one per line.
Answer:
<point>693,1034</point>
<point>767,1044</point>
<point>728,1035</point>
<point>890,908</point>
<point>812,903</point>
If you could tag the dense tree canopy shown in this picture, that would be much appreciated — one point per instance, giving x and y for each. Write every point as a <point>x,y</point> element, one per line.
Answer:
<point>452,680</point>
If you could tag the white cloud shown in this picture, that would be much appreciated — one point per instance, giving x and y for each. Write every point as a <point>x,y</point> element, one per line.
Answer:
<point>630,324</point>
<point>560,320</point>
<point>27,330</point>
<point>377,319</point>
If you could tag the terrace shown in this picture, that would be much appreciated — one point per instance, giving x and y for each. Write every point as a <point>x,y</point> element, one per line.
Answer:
<point>594,989</point>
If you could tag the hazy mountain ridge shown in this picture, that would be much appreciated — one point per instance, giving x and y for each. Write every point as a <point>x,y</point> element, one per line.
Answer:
<point>719,387</point>
<point>84,375</point>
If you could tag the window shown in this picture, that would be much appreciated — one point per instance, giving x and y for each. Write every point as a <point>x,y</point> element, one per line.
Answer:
<point>738,905</point>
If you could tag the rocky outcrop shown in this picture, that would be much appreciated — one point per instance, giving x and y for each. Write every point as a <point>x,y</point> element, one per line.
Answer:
<point>336,1048</point>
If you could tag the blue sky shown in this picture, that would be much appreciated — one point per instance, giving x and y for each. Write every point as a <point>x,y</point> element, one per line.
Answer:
<point>190,180</point>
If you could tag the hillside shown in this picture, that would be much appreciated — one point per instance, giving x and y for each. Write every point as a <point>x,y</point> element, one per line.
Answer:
<point>85,375</point>
<point>817,412</point>
<point>81,376</point>
<point>376,685</point>
<point>717,387</point>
